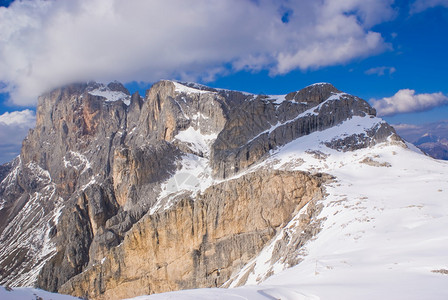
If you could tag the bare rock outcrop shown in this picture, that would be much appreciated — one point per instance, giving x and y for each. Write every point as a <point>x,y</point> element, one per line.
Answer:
<point>256,127</point>
<point>198,243</point>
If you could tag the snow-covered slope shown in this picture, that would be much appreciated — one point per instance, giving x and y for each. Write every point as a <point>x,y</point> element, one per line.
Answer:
<point>384,228</point>
<point>31,294</point>
<point>111,177</point>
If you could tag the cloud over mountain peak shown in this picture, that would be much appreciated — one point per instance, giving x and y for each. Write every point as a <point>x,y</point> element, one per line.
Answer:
<point>50,43</point>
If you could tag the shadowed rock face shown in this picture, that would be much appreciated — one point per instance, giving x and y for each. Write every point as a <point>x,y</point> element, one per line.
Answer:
<point>85,208</point>
<point>256,127</point>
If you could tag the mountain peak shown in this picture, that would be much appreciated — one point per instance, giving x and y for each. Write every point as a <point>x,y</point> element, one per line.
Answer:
<point>320,84</point>
<point>117,86</point>
<point>316,93</point>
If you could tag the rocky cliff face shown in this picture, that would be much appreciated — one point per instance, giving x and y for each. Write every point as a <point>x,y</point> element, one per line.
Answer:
<point>198,242</point>
<point>116,195</point>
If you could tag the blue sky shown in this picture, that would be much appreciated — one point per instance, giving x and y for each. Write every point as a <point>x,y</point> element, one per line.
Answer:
<point>390,53</point>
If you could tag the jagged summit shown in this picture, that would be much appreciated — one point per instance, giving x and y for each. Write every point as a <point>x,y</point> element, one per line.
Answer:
<point>195,86</point>
<point>316,93</point>
<point>115,91</point>
<point>114,86</point>
<point>319,84</point>
<point>122,184</point>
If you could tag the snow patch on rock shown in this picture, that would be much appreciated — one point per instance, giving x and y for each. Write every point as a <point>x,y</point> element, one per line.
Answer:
<point>196,141</point>
<point>111,96</point>
<point>180,88</point>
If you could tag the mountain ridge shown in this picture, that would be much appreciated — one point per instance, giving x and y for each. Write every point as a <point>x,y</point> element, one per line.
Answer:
<point>100,161</point>
<point>431,138</point>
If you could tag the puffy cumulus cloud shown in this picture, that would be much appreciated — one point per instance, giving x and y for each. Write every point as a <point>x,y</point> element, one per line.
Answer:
<point>421,5</point>
<point>25,118</point>
<point>381,71</point>
<point>406,100</point>
<point>332,32</point>
<point>14,127</point>
<point>47,43</point>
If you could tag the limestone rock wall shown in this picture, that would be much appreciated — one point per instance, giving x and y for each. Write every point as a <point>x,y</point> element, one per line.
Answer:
<point>198,243</point>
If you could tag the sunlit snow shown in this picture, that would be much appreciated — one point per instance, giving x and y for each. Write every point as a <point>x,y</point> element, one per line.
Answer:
<point>384,234</point>
<point>196,141</point>
<point>31,294</point>
<point>180,88</point>
<point>111,96</point>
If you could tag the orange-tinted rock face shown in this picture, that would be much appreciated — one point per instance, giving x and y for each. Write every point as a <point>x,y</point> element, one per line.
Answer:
<point>198,243</point>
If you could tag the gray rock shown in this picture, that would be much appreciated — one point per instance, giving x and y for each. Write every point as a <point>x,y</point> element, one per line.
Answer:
<point>91,171</point>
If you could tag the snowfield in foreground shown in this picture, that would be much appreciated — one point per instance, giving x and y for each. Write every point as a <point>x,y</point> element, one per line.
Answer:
<point>384,234</point>
<point>31,294</point>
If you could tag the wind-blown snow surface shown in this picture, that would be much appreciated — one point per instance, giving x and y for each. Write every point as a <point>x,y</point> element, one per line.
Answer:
<point>31,294</point>
<point>384,231</point>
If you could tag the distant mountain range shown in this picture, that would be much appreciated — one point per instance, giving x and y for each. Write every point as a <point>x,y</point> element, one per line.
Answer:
<point>431,138</point>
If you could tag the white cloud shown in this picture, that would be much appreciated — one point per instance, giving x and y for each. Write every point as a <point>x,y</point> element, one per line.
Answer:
<point>403,126</point>
<point>47,43</point>
<point>14,127</point>
<point>421,5</point>
<point>406,100</point>
<point>381,71</point>
<point>25,118</point>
